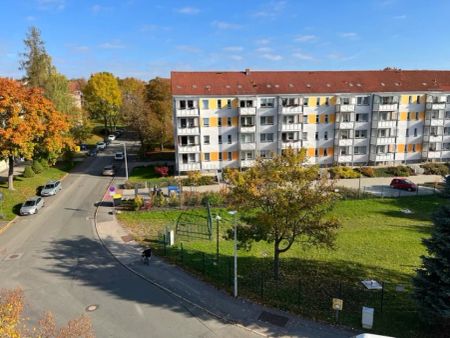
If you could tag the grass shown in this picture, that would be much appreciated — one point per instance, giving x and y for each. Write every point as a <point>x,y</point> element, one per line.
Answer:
<point>376,241</point>
<point>147,174</point>
<point>27,187</point>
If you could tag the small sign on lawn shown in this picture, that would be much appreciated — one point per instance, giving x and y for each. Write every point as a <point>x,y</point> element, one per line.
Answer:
<point>338,304</point>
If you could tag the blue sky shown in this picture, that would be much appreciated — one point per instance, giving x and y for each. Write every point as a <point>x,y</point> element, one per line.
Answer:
<point>144,38</point>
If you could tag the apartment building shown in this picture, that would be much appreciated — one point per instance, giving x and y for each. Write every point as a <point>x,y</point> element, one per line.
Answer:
<point>228,119</point>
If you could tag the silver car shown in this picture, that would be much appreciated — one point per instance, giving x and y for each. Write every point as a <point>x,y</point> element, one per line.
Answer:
<point>109,170</point>
<point>51,188</point>
<point>32,206</point>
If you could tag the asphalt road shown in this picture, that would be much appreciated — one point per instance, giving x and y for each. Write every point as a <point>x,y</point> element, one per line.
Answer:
<point>56,258</point>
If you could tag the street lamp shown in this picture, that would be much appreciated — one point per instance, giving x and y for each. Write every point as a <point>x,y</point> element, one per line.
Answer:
<point>126,161</point>
<point>218,218</point>
<point>234,213</point>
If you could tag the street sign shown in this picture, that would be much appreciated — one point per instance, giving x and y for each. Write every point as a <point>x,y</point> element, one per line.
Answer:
<point>338,304</point>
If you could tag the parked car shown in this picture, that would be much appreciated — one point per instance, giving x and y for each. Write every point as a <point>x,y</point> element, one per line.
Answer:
<point>119,156</point>
<point>101,145</point>
<point>403,184</point>
<point>93,152</point>
<point>32,206</point>
<point>109,170</point>
<point>51,188</point>
<point>111,137</point>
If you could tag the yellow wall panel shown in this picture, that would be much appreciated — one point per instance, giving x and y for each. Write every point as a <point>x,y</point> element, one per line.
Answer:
<point>422,99</point>
<point>418,147</point>
<point>235,155</point>
<point>311,152</point>
<point>235,103</point>
<point>322,118</point>
<point>312,101</point>
<point>212,103</point>
<point>331,118</point>
<point>323,100</point>
<point>422,115</point>
<point>214,156</point>
<point>330,151</point>
<point>320,151</point>
<point>333,100</point>
<point>312,118</point>
<point>400,148</point>
<point>213,121</point>
<point>405,99</point>
<point>234,121</point>
<point>224,155</point>
<point>403,116</point>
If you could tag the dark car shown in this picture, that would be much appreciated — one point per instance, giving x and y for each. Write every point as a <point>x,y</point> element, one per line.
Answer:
<point>93,152</point>
<point>403,184</point>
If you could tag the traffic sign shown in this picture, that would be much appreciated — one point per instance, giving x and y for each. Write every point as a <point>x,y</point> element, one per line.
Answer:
<point>112,190</point>
<point>338,304</point>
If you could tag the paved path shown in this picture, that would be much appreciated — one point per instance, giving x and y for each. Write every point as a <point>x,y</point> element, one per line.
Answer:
<point>199,295</point>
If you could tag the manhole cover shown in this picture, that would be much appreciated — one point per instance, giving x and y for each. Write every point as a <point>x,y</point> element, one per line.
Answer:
<point>127,238</point>
<point>13,256</point>
<point>91,308</point>
<point>273,319</point>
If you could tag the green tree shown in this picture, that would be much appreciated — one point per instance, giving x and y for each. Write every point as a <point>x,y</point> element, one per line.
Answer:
<point>103,99</point>
<point>288,204</point>
<point>432,282</point>
<point>160,100</point>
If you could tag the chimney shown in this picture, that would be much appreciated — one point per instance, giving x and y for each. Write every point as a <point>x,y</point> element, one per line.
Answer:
<point>247,71</point>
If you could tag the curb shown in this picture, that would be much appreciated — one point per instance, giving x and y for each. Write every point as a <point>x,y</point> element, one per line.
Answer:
<point>163,288</point>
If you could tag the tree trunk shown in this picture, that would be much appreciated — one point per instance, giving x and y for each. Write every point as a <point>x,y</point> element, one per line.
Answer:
<point>11,173</point>
<point>105,119</point>
<point>276,261</point>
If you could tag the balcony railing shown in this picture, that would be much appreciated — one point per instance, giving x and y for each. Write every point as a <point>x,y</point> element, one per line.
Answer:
<point>380,141</point>
<point>294,144</point>
<point>435,106</point>
<point>189,166</point>
<point>248,146</point>
<point>385,107</point>
<point>291,127</point>
<point>291,110</point>
<point>340,108</point>
<point>343,158</point>
<point>345,125</point>
<point>247,111</point>
<point>187,112</point>
<point>384,123</point>
<point>434,122</point>
<point>247,129</point>
<point>188,131</point>
<point>382,157</point>
<point>344,142</point>
<point>188,148</point>
<point>428,154</point>
<point>247,163</point>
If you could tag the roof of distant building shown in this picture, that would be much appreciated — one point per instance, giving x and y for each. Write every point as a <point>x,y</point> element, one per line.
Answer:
<point>308,82</point>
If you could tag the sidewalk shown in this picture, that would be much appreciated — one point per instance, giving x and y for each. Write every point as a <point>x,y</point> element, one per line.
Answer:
<point>198,294</point>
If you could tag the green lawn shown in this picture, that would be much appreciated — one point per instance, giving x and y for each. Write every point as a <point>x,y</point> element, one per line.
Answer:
<point>376,241</point>
<point>27,187</point>
<point>147,174</point>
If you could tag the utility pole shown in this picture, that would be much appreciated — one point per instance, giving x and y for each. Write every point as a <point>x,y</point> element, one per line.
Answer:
<point>126,161</point>
<point>218,218</point>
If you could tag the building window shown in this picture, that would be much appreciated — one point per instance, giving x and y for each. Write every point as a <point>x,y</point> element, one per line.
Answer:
<point>220,156</point>
<point>327,101</point>
<point>408,116</point>
<point>304,136</point>
<point>247,121</point>
<point>306,101</point>
<point>205,104</point>
<point>219,139</point>
<point>381,149</point>
<point>410,99</point>
<point>325,152</point>
<point>247,155</point>
<point>360,133</point>
<point>191,158</point>
<point>362,100</point>
<point>246,104</point>
<point>219,122</point>
<point>345,100</point>
<point>228,104</point>
<point>266,137</point>
<point>219,104</point>
<point>418,99</point>
<point>267,103</point>
<point>289,119</point>
<point>343,151</point>
<point>183,104</point>
<point>317,118</point>
<point>186,104</point>
<point>206,139</point>
<point>407,132</point>
<point>305,119</point>
<point>417,116</point>
<point>230,139</point>
<point>265,154</point>
<point>446,146</point>
<point>326,118</point>
<point>206,122</point>
<point>229,121</point>
<point>362,117</point>
<point>415,132</point>
<point>230,157</point>
<point>318,101</point>
<point>266,120</point>
<point>317,135</point>
<point>247,138</point>
<point>360,150</point>
<point>207,156</point>
<point>316,152</point>
<point>325,135</point>
<point>414,148</point>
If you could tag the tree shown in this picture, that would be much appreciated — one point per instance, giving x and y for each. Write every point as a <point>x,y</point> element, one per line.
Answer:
<point>29,123</point>
<point>289,204</point>
<point>432,282</point>
<point>12,323</point>
<point>102,98</point>
<point>160,101</point>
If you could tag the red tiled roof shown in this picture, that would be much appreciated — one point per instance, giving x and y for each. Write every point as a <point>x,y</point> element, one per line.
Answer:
<point>297,82</point>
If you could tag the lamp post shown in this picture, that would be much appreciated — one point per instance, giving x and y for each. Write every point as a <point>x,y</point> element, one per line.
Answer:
<point>234,213</point>
<point>126,161</point>
<point>218,218</point>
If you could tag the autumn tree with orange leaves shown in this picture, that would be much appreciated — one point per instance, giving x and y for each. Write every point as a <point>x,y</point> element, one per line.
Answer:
<point>30,125</point>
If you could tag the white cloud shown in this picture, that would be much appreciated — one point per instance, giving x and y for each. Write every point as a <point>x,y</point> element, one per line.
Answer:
<point>236,57</point>
<point>188,49</point>
<point>81,48</point>
<point>272,57</point>
<point>112,45</point>
<point>262,41</point>
<point>263,50</point>
<point>303,56</point>
<point>30,18</point>
<point>400,17</point>
<point>188,10</point>
<point>51,4</point>
<point>341,57</point>
<point>225,25</point>
<point>233,49</point>
<point>271,10</point>
<point>153,28</point>
<point>349,35</point>
<point>306,38</point>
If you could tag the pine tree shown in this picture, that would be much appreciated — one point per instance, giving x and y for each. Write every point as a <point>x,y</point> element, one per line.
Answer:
<point>432,282</point>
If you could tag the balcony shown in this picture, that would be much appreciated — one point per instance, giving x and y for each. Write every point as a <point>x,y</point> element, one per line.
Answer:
<point>187,112</point>
<point>247,129</point>
<point>431,154</point>
<point>343,158</point>
<point>291,127</point>
<point>294,144</point>
<point>385,124</point>
<point>247,163</point>
<point>341,108</point>
<point>189,166</point>
<point>385,107</point>
<point>248,146</point>
<point>380,141</point>
<point>188,131</point>
<point>292,110</point>
<point>434,122</point>
<point>210,165</point>
<point>433,138</point>
<point>345,125</point>
<point>247,111</point>
<point>188,148</point>
<point>382,157</point>
<point>345,142</point>
<point>435,106</point>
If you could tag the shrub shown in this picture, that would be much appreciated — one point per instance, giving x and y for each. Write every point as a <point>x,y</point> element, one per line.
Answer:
<point>44,163</point>
<point>400,170</point>
<point>206,180</point>
<point>159,201</point>
<point>367,171</point>
<point>435,169</point>
<point>195,178</point>
<point>349,193</point>
<point>192,198</point>
<point>162,171</point>
<point>138,202</point>
<point>215,199</point>
<point>37,167</point>
<point>174,200</point>
<point>343,172</point>
<point>28,172</point>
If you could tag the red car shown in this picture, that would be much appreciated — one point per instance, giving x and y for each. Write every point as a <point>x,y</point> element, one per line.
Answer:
<point>403,184</point>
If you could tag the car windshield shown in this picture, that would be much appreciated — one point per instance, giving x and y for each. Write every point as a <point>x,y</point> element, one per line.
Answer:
<point>108,167</point>
<point>29,204</point>
<point>49,186</point>
<point>408,182</point>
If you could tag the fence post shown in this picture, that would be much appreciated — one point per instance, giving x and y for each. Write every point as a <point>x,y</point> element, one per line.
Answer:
<point>203,259</point>
<point>262,285</point>
<point>165,245</point>
<point>181,252</point>
<point>382,296</point>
